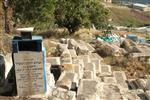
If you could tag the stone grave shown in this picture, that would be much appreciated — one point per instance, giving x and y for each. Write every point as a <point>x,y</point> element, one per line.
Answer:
<point>29,57</point>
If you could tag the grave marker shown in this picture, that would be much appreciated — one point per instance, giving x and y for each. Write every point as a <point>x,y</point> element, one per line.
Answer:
<point>29,58</point>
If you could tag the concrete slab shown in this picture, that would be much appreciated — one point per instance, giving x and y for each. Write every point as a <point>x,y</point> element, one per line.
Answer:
<point>87,90</point>
<point>53,60</point>
<point>105,70</point>
<point>66,79</point>
<point>111,80</point>
<point>88,74</point>
<point>121,78</point>
<point>90,67</point>
<point>97,65</point>
<point>62,94</point>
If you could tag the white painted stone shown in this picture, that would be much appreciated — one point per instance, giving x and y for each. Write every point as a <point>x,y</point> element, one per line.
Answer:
<point>29,73</point>
<point>53,60</point>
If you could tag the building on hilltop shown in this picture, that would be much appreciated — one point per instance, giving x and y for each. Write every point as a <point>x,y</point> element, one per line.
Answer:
<point>141,7</point>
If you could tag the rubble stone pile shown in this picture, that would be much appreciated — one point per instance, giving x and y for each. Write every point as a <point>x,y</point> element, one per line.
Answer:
<point>79,74</point>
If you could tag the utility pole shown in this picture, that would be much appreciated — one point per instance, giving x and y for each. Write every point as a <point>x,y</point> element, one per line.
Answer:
<point>5,9</point>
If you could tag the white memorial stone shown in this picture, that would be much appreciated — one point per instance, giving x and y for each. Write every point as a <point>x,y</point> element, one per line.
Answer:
<point>29,73</point>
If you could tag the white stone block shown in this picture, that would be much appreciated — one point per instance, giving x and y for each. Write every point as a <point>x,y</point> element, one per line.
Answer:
<point>97,65</point>
<point>53,60</point>
<point>88,90</point>
<point>105,70</point>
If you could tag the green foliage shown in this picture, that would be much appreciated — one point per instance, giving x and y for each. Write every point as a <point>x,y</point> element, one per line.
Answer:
<point>33,12</point>
<point>73,14</point>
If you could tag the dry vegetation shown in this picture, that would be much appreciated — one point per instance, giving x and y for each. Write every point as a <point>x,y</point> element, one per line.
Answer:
<point>127,17</point>
<point>133,67</point>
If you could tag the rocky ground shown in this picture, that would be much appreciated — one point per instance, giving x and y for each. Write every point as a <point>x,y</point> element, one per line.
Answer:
<point>78,70</point>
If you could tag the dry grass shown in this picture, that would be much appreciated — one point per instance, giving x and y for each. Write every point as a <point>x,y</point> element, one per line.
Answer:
<point>133,67</point>
<point>5,43</point>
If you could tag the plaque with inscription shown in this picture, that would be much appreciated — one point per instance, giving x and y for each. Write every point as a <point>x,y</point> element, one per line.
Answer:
<point>29,73</point>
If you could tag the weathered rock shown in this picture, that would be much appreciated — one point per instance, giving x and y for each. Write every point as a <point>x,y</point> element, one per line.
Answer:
<point>90,48</point>
<point>148,83</point>
<point>72,53</point>
<point>79,70</point>
<point>88,74</point>
<point>88,90</point>
<point>62,94</point>
<point>85,58</point>
<point>82,49</point>
<point>108,49</point>
<point>68,68</point>
<point>2,69</point>
<point>89,67</point>
<point>109,92</point>
<point>95,56</point>
<point>111,80</point>
<point>66,79</point>
<point>65,54</point>
<point>72,44</point>
<point>53,60</point>
<point>66,60</point>
<point>105,70</point>
<point>129,95</point>
<point>50,79</point>
<point>142,83</point>
<point>148,94</point>
<point>97,65</point>
<point>62,47</point>
<point>7,76</point>
<point>121,79</point>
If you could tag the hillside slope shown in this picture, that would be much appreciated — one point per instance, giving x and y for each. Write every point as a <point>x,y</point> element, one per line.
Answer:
<point>129,17</point>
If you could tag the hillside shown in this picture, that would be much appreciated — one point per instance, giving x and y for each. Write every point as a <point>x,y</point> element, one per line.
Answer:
<point>129,17</point>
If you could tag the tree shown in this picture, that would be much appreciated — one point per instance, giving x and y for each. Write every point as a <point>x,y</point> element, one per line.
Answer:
<point>73,14</point>
<point>33,12</point>
<point>5,9</point>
